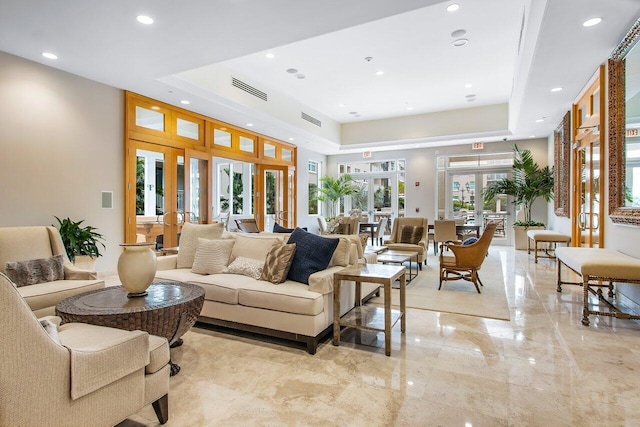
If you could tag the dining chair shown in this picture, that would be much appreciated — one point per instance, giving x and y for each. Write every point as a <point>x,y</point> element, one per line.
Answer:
<point>247,225</point>
<point>379,232</point>
<point>444,230</point>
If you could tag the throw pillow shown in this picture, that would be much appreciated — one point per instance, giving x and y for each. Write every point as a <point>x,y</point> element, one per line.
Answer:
<point>278,262</point>
<point>51,328</point>
<point>411,234</point>
<point>189,240</point>
<point>470,240</point>
<point>277,228</point>
<point>212,256</point>
<point>364,239</point>
<point>312,254</point>
<point>35,271</point>
<point>246,266</point>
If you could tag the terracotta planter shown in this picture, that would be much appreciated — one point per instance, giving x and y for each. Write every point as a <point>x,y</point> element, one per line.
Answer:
<point>137,267</point>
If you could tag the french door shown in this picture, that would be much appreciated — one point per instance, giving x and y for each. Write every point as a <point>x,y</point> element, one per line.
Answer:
<point>170,187</point>
<point>278,190</point>
<point>466,205</point>
<point>379,195</point>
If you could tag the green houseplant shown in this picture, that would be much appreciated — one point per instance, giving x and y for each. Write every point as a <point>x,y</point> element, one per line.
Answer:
<point>79,240</point>
<point>528,183</point>
<point>332,190</point>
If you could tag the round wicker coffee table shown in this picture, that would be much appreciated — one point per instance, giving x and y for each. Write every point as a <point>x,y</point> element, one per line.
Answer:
<point>168,310</point>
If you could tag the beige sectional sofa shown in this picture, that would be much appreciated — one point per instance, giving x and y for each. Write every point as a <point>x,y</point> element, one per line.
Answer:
<point>40,242</point>
<point>290,310</point>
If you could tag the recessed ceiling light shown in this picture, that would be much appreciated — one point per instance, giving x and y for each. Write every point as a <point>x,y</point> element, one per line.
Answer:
<point>472,95</point>
<point>468,85</point>
<point>291,139</point>
<point>49,55</point>
<point>458,33</point>
<point>409,108</point>
<point>379,73</point>
<point>591,22</point>
<point>539,120</point>
<point>453,7</point>
<point>185,102</point>
<point>292,70</point>
<point>556,89</point>
<point>460,42</point>
<point>143,19</point>
<point>532,136</point>
<point>353,112</point>
<point>341,105</point>
<point>270,55</point>
<point>300,76</point>
<point>250,124</point>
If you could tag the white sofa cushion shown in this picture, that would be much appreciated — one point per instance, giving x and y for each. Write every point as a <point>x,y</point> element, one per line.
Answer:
<point>43,295</point>
<point>252,246</point>
<point>189,240</point>
<point>288,297</point>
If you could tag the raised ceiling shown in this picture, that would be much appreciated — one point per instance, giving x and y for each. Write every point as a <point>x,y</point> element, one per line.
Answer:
<point>517,51</point>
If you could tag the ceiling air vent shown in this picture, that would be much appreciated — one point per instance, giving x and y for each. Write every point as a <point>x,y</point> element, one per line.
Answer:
<point>310,119</point>
<point>249,89</point>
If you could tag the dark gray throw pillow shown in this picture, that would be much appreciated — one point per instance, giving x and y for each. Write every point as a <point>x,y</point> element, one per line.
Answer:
<point>277,228</point>
<point>35,271</point>
<point>313,253</point>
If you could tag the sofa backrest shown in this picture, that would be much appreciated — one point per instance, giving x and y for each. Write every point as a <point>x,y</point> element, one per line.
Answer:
<point>26,243</point>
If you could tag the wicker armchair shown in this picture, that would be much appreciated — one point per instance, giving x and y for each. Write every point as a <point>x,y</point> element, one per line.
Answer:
<point>466,259</point>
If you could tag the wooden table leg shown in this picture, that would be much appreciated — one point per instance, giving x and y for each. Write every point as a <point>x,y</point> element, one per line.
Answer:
<point>336,312</point>
<point>403,303</point>
<point>387,316</point>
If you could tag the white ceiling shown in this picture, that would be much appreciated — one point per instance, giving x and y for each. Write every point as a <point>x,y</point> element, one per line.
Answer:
<point>327,41</point>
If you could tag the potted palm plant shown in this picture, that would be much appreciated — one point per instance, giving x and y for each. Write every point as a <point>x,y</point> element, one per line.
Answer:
<point>528,183</point>
<point>80,243</point>
<point>333,189</point>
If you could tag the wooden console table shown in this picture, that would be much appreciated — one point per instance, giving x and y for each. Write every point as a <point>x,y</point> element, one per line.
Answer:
<point>368,316</point>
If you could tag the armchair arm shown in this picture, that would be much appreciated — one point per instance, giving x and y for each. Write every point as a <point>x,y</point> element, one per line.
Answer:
<point>71,272</point>
<point>100,357</point>
<point>168,262</point>
<point>466,255</point>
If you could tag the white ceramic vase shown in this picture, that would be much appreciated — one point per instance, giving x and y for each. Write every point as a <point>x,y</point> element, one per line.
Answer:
<point>137,267</point>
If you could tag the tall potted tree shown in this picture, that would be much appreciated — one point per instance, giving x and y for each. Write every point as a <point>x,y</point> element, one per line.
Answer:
<point>333,189</point>
<point>528,183</point>
<point>80,243</point>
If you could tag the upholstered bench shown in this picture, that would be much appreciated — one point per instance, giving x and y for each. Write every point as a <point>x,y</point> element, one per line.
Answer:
<point>597,266</point>
<point>545,236</point>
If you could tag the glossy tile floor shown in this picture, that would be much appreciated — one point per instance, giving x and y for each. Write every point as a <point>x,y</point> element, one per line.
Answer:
<point>542,368</point>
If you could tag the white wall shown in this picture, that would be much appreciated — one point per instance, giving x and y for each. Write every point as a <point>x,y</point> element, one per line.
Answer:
<point>304,156</point>
<point>62,144</point>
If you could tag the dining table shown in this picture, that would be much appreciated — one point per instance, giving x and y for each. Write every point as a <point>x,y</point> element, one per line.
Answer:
<point>369,227</point>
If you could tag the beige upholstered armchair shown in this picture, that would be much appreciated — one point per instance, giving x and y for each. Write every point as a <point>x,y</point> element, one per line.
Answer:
<point>40,242</point>
<point>77,374</point>
<point>396,241</point>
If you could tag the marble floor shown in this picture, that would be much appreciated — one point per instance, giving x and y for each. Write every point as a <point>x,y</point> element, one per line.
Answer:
<point>541,368</point>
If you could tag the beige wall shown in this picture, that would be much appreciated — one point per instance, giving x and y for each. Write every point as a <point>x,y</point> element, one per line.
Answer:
<point>62,144</point>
